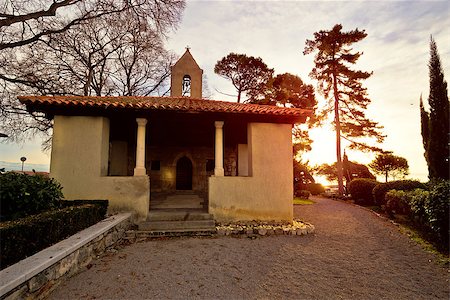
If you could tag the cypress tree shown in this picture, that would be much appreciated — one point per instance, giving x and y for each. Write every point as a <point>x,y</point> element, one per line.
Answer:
<point>425,129</point>
<point>435,124</point>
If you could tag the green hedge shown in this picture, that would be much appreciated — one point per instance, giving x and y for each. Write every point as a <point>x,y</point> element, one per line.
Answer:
<point>428,208</point>
<point>397,202</point>
<point>381,189</point>
<point>27,236</point>
<point>23,195</point>
<point>303,194</point>
<point>437,209</point>
<point>315,188</point>
<point>361,190</point>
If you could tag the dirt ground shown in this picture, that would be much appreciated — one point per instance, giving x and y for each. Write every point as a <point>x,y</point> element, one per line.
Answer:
<point>353,255</point>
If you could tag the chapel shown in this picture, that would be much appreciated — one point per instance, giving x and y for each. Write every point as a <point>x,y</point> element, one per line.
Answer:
<point>230,160</point>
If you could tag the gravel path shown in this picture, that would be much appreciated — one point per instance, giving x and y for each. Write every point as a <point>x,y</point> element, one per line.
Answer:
<point>353,255</point>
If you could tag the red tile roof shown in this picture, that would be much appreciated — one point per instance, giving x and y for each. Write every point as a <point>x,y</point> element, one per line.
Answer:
<point>180,104</point>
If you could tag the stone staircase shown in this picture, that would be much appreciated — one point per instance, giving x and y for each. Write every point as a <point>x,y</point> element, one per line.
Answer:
<point>177,214</point>
<point>176,222</point>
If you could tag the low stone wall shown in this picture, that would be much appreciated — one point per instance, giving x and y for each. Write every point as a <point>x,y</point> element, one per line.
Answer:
<point>254,228</point>
<point>36,276</point>
<point>251,229</point>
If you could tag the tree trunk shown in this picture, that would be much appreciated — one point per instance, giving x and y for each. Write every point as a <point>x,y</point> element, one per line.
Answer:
<point>338,138</point>
<point>239,96</point>
<point>386,174</point>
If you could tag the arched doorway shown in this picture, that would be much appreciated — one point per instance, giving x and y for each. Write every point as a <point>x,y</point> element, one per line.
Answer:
<point>184,174</point>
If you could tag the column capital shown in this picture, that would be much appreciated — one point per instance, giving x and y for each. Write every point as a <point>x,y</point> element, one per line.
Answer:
<point>218,124</point>
<point>141,121</point>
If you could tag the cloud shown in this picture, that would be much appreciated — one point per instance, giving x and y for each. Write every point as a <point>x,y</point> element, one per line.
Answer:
<point>396,49</point>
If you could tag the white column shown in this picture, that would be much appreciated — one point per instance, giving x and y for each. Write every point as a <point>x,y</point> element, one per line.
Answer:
<point>218,170</point>
<point>140,148</point>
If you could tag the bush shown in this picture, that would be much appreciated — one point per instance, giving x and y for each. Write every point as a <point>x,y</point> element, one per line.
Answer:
<point>437,209</point>
<point>22,195</point>
<point>29,235</point>
<point>361,190</point>
<point>427,208</point>
<point>303,194</point>
<point>379,192</point>
<point>417,200</point>
<point>315,188</point>
<point>397,202</point>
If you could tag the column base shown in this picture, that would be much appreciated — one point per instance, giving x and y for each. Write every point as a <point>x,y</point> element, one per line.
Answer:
<point>219,172</point>
<point>140,172</point>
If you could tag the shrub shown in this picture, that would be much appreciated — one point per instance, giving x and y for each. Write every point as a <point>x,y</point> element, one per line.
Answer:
<point>427,208</point>
<point>29,235</point>
<point>23,195</point>
<point>303,194</point>
<point>315,188</point>
<point>417,200</point>
<point>381,189</point>
<point>437,209</point>
<point>397,202</point>
<point>361,190</point>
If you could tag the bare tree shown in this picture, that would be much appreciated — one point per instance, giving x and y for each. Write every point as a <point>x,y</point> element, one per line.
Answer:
<point>24,22</point>
<point>80,47</point>
<point>141,65</point>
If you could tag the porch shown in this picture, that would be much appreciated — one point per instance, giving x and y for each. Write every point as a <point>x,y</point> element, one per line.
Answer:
<point>178,153</point>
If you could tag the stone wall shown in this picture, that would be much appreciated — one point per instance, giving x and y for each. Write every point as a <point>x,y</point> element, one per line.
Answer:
<point>36,276</point>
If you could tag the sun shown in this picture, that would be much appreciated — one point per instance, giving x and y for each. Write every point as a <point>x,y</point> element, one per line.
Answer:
<point>324,151</point>
<point>323,147</point>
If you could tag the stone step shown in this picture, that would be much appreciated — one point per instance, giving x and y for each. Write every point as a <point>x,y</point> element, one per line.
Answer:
<point>164,205</point>
<point>175,233</point>
<point>172,202</point>
<point>183,197</point>
<point>178,201</point>
<point>177,225</point>
<point>178,215</point>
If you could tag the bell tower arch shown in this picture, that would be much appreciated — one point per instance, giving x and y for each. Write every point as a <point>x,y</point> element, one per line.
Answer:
<point>186,77</point>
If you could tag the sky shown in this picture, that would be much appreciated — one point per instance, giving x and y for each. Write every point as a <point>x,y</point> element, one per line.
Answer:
<point>396,50</point>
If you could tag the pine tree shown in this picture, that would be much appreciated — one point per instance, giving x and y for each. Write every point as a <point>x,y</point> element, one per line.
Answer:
<point>435,124</point>
<point>388,164</point>
<point>342,87</point>
<point>248,74</point>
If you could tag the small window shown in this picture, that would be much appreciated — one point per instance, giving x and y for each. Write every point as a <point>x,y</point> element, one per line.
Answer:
<point>210,165</point>
<point>156,165</point>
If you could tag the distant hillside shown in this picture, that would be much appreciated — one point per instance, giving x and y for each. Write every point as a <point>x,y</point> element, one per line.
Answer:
<point>12,166</point>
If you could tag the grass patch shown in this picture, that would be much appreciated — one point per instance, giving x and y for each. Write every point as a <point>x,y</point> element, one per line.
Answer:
<point>375,208</point>
<point>302,201</point>
<point>418,235</point>
<point>424,238</point>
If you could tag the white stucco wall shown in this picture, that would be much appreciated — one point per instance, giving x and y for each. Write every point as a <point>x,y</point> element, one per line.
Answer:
<point>266,194</point>
<point>79,161</point>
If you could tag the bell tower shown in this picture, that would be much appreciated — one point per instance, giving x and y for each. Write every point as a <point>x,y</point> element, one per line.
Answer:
<point>186,77</point>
